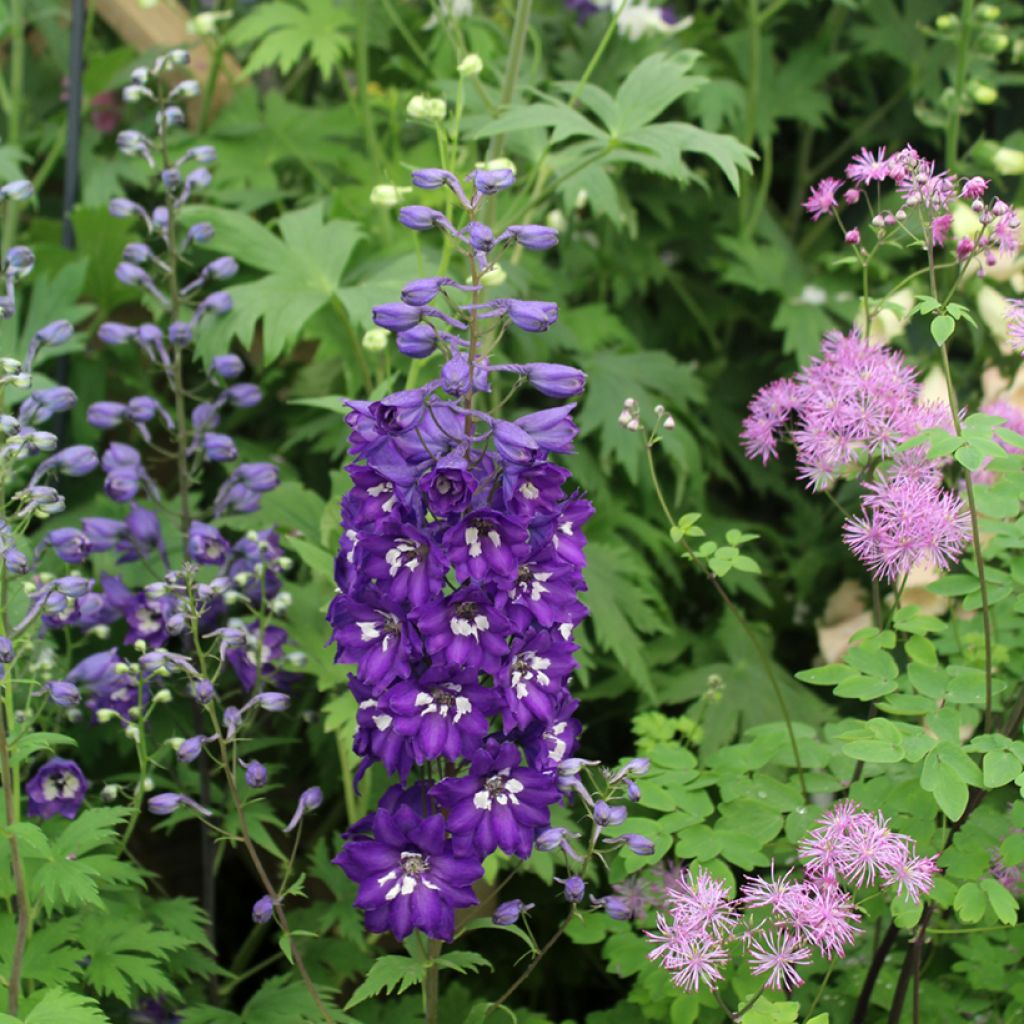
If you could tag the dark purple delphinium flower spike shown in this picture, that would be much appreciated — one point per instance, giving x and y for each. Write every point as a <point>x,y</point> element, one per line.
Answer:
<point>458,573</point>
<point>58,787</point>
<point>408,875</point>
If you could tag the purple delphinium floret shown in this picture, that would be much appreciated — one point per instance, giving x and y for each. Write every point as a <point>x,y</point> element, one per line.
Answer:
<point>498,805</point>
<point>57,787</point>
<point>408,875</point>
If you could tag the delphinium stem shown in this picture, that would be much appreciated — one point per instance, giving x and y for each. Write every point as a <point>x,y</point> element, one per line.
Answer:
<point>236,799</point>
<point>12,813</point>
<point>738,615</point>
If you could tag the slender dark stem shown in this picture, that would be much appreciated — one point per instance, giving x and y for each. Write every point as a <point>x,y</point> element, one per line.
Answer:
<point>740,619</point>
<point>986,612</point>
<point>21,901</point>
<point>532,966</point>
<point>860,1012</point>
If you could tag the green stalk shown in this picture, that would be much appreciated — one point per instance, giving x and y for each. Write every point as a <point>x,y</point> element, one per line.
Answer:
<point>598,54</point>
<point>962,53</point>
<point>211,84</point>
<point>515,60</point>
<point>15,104</point>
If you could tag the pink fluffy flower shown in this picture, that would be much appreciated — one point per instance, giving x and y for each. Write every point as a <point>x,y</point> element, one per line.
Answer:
<point>778,955</point>
<point>908,520</point>
<point>822,198</point>
<point>867,167</point>
<point>940,229</point>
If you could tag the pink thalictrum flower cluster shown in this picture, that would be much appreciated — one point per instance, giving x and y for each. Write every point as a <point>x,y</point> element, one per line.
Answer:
<point>777,924</point>
<point>1015,324</point>
<point>847,412</point>
<point>921,206</point>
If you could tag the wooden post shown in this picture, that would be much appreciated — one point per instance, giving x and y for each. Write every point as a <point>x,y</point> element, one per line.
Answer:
<point>163,26</point>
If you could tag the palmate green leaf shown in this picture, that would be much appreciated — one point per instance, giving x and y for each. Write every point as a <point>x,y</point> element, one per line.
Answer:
<point>59,1006</point>
<point>282,999</point>
<point>625,607</point>
<point>53,955</point>
<point>285,31</point>
<point>660,148</point>
<point>652,86</point>
<point>304,265</point>
<point>389,974</point>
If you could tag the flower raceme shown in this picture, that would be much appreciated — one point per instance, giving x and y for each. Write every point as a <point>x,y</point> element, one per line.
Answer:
<point>922,207</point>
<point>458,573</point>
<point>779,923</point>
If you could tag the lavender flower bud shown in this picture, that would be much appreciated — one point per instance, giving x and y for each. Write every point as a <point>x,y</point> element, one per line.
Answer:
<point>78,460</point>
<point>232,720</point>
<point>203,691</point>
<point>63,693</point>
<point>105,415</point>
<point>20,261</point>
<point>310,800</point>
<point>223,268</point>
<point>396,316</point>
<point>419,218</point>
<point>188,750</point>
<point>255,773</point>
<point>418,342</point>
<point>640,845</point>
<point>202,154</point>
<point>432,177</point>
<point>605,815</point>
<point>551,839</point>
<point>69,545</point>
<point>55,333</point>
<point>491,182</point>
<point>115,334</point>
<point>533,236</point>
<point>554,379</point>
<point>423,290</point>
<point>632,791</point>
<point>219,303</point>
<point>573,888</point>
<point>260,476</point>
<point>168,803</point>
<point>102,533</point>
<point>179,334</point>
<point>228,367</point>
<point>270,701</point>
<point>243,396</point>
<point>263,910</point>
<point>200,232</point>
<point>219,447</point>
<point>530,315</point>
<point>615,907</point>
<point>131,274</point>
<point>200,178</point>
<point>479,236</point>
<point>171,178</point>
<point>509,912</point>
<point>204,417</point>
